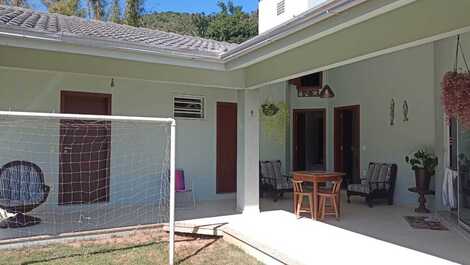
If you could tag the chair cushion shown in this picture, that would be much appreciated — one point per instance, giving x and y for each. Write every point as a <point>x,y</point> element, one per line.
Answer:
<point>271,173</point>
<point>362,188</point>
<point>21,185</point>
<point>370,172</point>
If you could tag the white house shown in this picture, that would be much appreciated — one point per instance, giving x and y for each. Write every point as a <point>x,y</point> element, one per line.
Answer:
<point>275,12</point>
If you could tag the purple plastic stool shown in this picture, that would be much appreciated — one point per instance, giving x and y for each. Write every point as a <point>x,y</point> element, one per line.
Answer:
<point>179,179</point>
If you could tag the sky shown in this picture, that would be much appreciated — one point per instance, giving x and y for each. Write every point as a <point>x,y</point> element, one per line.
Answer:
<point>191,6</point>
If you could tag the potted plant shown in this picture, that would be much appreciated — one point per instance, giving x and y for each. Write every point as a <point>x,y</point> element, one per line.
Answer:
<point>424,163</point>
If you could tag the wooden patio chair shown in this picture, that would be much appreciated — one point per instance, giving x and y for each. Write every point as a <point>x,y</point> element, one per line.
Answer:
<point>332,195</point>
<point>298,198</point>
<point>22,189</point>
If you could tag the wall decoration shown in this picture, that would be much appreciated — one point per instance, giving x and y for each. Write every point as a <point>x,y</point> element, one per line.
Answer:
<point>456,91</point>
<point>405,111</point>
<point>392,112</point>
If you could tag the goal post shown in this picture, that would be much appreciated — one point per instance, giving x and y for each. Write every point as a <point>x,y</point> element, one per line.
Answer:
<point>83,147</point>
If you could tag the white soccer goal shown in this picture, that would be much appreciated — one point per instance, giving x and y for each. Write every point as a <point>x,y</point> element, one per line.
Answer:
<point>67,173</point>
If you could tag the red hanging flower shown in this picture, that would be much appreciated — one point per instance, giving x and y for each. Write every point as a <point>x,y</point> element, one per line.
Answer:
<point>456,97</point>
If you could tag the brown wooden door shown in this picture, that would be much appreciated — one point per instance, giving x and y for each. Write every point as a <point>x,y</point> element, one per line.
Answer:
<point>84,149</point>
<point>226,147</point>
<point>347,142</point>
<point>309,136</point>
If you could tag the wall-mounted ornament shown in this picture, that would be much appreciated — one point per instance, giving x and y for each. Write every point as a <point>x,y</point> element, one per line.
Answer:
<point>392,112</point>
<point>405,111</point>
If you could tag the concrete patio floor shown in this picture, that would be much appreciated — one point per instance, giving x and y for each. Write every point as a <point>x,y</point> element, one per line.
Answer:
<point>363,235</point>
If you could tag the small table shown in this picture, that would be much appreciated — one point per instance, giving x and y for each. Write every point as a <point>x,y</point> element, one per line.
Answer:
<point>316,177</point>
<point>422,199</point>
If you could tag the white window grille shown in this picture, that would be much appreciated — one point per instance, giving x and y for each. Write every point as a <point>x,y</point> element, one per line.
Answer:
<point>281,7</point>
<point>189,107</point>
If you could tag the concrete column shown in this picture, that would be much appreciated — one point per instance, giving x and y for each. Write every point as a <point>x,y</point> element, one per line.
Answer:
<point>248,152</point>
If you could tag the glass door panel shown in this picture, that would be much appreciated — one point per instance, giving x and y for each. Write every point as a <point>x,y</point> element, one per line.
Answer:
<point>464,176</point>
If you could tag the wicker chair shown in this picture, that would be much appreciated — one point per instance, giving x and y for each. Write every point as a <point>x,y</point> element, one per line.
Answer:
<point>379,182</point>
<point>272,180</point>
<point>22,189</point>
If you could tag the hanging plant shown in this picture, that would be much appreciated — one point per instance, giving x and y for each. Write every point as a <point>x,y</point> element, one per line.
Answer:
<point>456,92</point>
<point>269,109</point>
<point>274,117</point>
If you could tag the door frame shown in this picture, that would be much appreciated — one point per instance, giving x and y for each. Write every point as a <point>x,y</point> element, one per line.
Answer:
<point>217,146</point>
<point>107,97</point>
<point>108,100</point>
<point>337,135</point>
<point>296,112</point>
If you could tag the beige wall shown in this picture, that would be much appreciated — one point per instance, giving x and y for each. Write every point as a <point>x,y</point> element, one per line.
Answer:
<point>25,90</point>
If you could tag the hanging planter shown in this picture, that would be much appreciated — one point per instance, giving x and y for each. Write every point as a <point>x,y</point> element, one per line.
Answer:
<point>274,117</point>
<point>456,92</point>
<point>269,109</point>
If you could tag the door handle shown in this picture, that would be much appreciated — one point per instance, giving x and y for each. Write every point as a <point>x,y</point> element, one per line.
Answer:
<point>67,149</point>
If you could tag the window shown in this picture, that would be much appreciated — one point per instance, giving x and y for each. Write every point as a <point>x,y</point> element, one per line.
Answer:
<point>281,7</point>
<point>191,107</point>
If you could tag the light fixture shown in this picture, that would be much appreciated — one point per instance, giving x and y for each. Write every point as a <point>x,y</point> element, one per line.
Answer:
<point>326,92</point>
<point>112,82</point>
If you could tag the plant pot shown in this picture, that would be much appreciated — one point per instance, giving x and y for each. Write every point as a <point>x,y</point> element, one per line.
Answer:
<point>423,179</point>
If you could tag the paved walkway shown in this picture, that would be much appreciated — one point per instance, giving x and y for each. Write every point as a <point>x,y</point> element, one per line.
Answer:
<point>378,235</point>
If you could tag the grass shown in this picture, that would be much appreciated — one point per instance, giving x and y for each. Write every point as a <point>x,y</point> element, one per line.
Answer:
<point>143,248</point>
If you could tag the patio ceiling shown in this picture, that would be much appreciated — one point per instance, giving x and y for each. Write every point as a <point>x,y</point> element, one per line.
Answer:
<point>414,24</point>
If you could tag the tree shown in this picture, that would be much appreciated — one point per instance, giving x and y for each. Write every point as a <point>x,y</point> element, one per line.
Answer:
<point>97,8</point>
<point>134,10</point>
<point>231,24</point>
<point>115,14</point>
<point>201,23</point>
<point>65,7</point>
<point>20,3</point>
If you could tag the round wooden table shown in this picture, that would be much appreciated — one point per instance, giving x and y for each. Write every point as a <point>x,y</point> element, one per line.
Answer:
<point>316,177</point>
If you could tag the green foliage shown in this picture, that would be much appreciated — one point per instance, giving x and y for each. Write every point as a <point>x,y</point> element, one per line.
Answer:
<point>97,9</point>
<point>274,118</point>
<point>19,3</point>
<point>65,7</point>
<point>133,13</point>
<point>180,23</point>
<point>423,158</point>
<point>115,14</point>
<point>231,24</point>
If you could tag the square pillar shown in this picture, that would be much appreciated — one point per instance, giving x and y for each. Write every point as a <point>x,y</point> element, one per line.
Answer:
<point>248,151</point>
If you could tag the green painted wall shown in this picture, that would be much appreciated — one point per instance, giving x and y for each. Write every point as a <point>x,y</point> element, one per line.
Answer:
<point>372,84</point>
<point>100,66</point>
<point>25,90</point>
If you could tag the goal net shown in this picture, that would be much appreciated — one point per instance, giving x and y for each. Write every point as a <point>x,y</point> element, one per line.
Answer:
<point>63,173</point>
